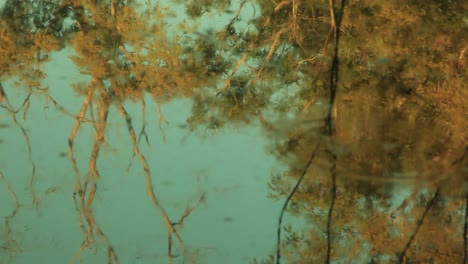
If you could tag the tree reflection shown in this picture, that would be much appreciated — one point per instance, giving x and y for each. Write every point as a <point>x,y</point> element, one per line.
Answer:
<point>359,98</point>
<point>125,53</point>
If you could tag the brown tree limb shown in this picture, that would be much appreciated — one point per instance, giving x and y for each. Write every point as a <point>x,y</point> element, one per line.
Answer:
<point>149,183</point>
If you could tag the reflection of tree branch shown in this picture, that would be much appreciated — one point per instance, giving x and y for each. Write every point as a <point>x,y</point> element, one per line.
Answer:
<point>160,120</point>
<point>189,210</point>
<point>85,208</point>
<point>2,93</point>
<point>402,256</point>
<point>79,118</point>
<point>285,205</point>
<point>142,132</point>
<point>458,163</point>
<point>12,244</point>
<point>49,191</point>
<point>65,111</point>
<point>99,135</point>
<point>465,232</point>
<point>336,23</point>
<point>143,125</point>
<point>32,179</point>
<point>149,182</point>
<point>236,16</point>
<point>227,83</point>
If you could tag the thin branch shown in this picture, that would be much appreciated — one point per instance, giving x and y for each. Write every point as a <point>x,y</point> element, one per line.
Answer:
<point>11,243</point>
<point>143,131</point>
<point>78,190</point>
<point>465,232</point>
<point>330,210</point>
<point>65,111</point>
<point>85,207</point>
<point>336,22</point>
<point>13,113</point>
<point>402,257</point>
<point>149,183</point>
<point>285,205</point>
<point>161,119</point>
<point>227,83</point>
<point>238,12</point>
<point>189,210</point>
